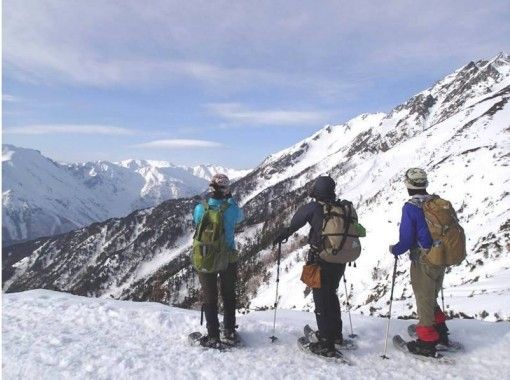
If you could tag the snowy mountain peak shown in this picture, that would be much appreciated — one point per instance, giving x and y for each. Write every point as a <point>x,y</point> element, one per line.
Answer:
<point>42,197</point>
<point>463,88</point>
<point>11,152</point>
<point>137,164</point>
<point>201,171</point>
<point>208,171</point>
<point>502,56</point>
<point>501,60</point>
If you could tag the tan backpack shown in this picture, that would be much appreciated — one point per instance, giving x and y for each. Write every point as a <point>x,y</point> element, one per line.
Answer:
<point>340,234</point>
<point>449,241</point>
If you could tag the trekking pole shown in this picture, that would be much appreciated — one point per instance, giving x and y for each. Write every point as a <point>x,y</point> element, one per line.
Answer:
<point>273,338</point>
<point>442,297</point>
<point>348,309</point>
<point>389,315</point>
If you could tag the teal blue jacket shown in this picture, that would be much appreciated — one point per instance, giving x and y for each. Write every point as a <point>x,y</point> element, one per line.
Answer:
<point>232,216</point>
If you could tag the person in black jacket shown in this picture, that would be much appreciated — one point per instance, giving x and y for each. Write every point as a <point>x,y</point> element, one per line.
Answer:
<point>327,306</point>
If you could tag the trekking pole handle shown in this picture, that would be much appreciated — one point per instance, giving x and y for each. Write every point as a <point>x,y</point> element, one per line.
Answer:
<point>393,280</point>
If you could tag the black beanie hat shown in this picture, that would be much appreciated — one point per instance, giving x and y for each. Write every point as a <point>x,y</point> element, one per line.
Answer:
<point>324,189</point>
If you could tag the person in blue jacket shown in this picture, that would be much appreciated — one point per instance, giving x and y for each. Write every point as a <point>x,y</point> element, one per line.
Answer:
<point>219,193</point>
<point>426,279</point>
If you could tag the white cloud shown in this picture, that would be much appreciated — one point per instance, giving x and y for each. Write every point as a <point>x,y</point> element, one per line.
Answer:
<point>238,113</point>
<point>105,43</point>
<point>179,144</point>
<point>10,98</point>
<point>44,65</point>
<point>324,50</point>
<point>82,129</point>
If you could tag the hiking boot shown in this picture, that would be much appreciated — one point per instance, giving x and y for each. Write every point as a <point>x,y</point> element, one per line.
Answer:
<point>323,349</point>
<point>210,341</point>
<point>442,330</point>
<point>419,347</point>
<point>339,341</point>
<point>229,336</point>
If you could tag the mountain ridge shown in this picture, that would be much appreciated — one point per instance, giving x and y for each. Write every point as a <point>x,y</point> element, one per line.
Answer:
<point>59,197</point>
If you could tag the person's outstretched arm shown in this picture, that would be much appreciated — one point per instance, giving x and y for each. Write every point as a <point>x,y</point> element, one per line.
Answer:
<point>407,235</point>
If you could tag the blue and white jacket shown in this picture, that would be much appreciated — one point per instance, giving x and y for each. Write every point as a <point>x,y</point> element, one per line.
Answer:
<point>232,216</point>
<point>414,232</point>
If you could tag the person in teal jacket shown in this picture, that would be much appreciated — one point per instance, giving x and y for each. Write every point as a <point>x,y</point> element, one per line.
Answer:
<point>233,216</point>
<point>219,194</point>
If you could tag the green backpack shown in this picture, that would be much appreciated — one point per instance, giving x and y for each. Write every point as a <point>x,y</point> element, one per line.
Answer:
<point>210,251</point>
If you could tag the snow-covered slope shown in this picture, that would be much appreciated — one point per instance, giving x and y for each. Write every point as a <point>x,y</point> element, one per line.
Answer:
<point>457,130</point>
<point>55,335</point>
<point>42,197</point>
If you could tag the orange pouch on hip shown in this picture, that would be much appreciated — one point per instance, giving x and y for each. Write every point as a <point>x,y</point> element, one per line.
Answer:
<point>311,276</point>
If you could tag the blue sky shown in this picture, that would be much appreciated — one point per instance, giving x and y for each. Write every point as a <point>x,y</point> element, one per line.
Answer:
<point>222,82</point>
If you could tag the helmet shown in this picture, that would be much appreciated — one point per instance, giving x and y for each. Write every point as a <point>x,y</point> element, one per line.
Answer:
<point>416,178</point>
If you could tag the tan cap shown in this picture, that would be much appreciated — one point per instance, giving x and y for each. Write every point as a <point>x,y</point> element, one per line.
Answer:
<point>416,178</point>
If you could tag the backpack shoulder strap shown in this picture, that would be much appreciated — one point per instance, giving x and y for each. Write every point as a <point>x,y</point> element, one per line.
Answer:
<point>419,201</point>
<point>200,226</point>
<point>351,212</point>
<point>415,202</point>
<point>324,205</point>
<point>431,197</point>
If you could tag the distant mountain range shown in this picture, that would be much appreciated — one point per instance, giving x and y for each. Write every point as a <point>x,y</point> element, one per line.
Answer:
<point>42,197</point>
<point>458,130</point>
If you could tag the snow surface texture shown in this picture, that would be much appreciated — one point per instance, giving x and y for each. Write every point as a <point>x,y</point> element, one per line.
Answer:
<point>42,197</point>
<point>457,130</point>
<point>54,335</point>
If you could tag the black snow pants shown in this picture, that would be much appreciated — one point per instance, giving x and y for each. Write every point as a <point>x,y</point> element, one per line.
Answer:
<point>209,283</point>
<point>327,306</point>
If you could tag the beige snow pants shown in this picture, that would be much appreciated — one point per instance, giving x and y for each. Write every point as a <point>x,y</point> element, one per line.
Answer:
<point>426,280</point>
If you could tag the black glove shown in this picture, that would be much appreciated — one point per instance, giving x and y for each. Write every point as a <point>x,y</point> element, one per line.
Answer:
<point>312,258</point>
<point>282,237</point>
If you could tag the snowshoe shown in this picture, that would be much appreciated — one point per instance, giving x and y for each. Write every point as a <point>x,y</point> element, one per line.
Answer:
<point>420,352</point>
<point>194,338</point>
<point>227,340</point>
<point>314,348</point>
<point>197,339</point>
<point>452,346</point>
<point>344,344</point>
<point>231,338</point>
